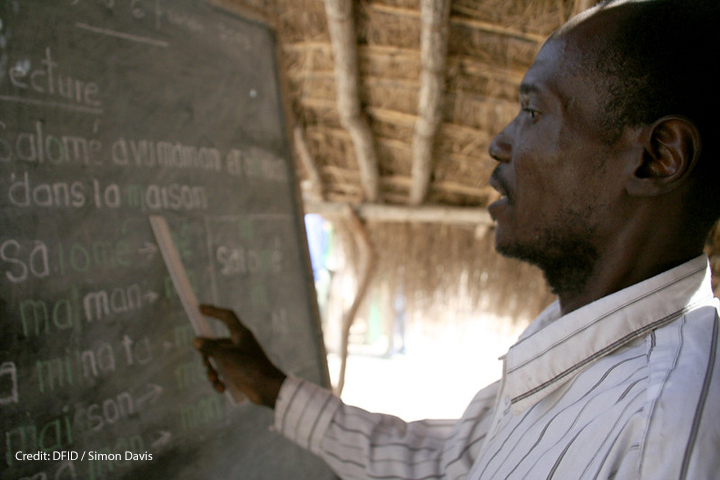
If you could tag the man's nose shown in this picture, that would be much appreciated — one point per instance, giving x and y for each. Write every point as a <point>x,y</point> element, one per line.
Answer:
<point>500,147</point>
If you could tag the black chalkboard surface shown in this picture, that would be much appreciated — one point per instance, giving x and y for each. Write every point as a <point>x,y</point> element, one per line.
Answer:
<point>111,111</point>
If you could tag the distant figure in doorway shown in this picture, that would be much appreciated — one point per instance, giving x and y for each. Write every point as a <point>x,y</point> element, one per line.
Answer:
<point>399,323</point>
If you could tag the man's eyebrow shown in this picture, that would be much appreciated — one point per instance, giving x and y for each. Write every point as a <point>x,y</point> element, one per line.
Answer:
<point>527,88</point>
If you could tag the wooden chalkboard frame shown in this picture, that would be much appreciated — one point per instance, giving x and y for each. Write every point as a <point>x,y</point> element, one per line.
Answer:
<point>284,92</point>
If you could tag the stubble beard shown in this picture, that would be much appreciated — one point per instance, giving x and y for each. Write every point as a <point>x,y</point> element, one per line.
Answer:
<point>566,258</point>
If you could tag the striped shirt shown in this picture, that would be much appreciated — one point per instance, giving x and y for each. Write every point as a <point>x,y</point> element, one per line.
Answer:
<point>627,387</point>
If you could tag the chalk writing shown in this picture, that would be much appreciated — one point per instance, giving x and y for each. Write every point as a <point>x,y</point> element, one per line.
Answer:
<point>208,409</point>
<point>55,434</point>
<point>8,383</point>
<point>139,352</point>
<point>33,259</point>
<point>190,374</point>
<point>117,408</point>
<point>109,411</point>
<point>166,154</point>
<point>167,197</point>
<point>36,315</point>
<point>60,471</point>
<point>23,193</point>
<point>48,80</point>
<point>106,196</point>
<point>76,367</point>
<point>35,264</point>
<point>64,371</point>
<point>137,9</point>
<point>256,163</point>
<point>279,321</point>
<point>236,37</point>
<point>182,19</point>
<point>38,146</point>
<point>79,256</point>
<point>243,261</point>
<point>102,304</point>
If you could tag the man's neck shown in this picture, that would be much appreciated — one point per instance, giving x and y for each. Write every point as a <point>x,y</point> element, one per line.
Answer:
<point>617,270</point>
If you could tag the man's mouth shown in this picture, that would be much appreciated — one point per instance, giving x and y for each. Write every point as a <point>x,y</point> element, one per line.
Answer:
<point>501,186</point>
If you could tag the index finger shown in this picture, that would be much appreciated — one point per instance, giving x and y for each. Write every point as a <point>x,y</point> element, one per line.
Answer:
<point>229,318</point>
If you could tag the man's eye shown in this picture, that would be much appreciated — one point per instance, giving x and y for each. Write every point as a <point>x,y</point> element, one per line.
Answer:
<point>533,113</point>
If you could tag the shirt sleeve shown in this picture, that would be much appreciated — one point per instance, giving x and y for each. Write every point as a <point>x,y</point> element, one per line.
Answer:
<point>358,444</point>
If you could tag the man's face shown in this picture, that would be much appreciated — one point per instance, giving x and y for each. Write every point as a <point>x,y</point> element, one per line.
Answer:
<point>559,181</point>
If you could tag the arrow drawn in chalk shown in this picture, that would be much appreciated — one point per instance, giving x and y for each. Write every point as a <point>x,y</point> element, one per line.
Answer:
<point>164,439</point>
<point>151,297</point>
<point>151,396</point>
<point>148,249</point>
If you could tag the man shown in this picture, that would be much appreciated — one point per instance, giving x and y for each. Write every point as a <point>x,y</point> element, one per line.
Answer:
<point>608,180</point>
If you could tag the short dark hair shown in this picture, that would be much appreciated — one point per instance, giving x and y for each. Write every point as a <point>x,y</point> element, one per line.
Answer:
<point>664,59</point>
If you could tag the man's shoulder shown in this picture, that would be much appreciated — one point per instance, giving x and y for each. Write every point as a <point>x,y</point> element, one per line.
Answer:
<point>683,395</point>
<point>683,361</point>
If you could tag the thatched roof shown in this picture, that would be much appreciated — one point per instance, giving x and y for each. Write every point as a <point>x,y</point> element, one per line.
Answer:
<point>489,45</point>
<point>477,49</point>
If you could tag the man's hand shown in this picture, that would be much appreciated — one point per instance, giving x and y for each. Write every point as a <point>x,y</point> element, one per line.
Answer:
<point>242,359</point>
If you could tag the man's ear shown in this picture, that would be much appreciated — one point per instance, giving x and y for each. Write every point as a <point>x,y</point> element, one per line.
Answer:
<point>670,152</point>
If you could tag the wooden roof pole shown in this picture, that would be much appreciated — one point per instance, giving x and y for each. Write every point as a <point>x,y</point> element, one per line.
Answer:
<point>306,159</point>
<point>366,270</point>
<point>403,213</point>
<point>435,17</point>
<point>344,44</point>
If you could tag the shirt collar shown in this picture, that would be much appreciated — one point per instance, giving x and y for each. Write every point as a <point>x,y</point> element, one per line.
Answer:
<point>555,347</point>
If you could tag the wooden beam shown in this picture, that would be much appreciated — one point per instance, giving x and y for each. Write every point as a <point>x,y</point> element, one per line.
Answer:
<point>434,16</point>
<point>301,147</point>
<point>401,213</point>
<point>344,43</point>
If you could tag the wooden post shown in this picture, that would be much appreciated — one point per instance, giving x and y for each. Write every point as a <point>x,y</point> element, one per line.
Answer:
<point>344,44</point>
<point>368,260</point>
<point>435,15</point>
<point>308,163</point>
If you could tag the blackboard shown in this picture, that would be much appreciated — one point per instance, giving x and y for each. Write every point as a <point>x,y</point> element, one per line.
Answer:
<point>112,111</point>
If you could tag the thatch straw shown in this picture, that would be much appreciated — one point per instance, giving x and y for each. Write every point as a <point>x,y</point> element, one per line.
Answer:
<point>453,274</point>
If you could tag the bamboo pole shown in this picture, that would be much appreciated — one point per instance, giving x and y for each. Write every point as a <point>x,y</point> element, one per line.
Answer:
<point>368,261</point>
<point>434,15</point>
<point>344,44</point>
<point>308,163</point>
<point>402,213</point>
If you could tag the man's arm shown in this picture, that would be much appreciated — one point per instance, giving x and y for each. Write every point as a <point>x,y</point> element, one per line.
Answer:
<point>359,444</point>
<point>353,442</point>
